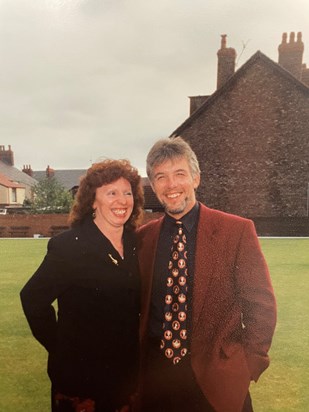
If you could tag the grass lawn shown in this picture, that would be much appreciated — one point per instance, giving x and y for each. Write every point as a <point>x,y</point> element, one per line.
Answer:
<point>284,386</point>
<point>24,384</point>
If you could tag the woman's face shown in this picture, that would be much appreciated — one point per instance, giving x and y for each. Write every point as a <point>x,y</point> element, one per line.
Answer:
<point>113,203</point>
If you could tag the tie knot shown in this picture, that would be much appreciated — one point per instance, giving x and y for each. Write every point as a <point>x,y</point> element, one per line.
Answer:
<point>179,227</point>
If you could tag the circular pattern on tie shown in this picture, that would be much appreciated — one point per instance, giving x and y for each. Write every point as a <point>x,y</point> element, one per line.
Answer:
<point>174,341</point>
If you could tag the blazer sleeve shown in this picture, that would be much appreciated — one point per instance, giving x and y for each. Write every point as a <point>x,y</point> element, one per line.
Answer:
<point>258,303</point>
<point>42,289</point>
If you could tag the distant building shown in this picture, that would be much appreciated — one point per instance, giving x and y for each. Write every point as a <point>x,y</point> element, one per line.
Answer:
<point>69,178</point>
<point>152,203</point>
<point>14,178</point>
<point>251,135</point>
<point>11,194</point>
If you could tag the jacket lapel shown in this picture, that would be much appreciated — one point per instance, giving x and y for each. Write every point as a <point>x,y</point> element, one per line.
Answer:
<point>206,258</point>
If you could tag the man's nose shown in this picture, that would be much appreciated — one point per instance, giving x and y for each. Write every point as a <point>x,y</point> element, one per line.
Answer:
<point>171,181</point>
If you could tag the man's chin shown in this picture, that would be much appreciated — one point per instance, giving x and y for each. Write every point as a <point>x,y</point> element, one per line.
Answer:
<point>174,210</point>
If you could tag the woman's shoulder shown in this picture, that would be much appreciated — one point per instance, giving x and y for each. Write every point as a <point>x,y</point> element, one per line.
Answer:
<point>64,242</point>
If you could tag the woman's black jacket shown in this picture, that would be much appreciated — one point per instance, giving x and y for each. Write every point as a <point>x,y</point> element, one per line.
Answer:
<point>92,341</point>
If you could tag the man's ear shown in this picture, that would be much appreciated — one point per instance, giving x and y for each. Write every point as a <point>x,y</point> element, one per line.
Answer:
<point>196,181</point>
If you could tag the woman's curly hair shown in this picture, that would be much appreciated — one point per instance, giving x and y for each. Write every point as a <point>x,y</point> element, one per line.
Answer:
<point>103,173</point>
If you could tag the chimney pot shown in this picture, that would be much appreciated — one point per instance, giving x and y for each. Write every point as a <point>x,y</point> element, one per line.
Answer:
<point>49,171</point>
<point>226,62</point>
<point>27,169</point>
<point>291,54</point>
<point>7,156</point>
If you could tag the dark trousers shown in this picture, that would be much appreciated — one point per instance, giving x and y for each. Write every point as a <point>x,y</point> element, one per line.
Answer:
<point>170,388</point>
<point>173,388</point>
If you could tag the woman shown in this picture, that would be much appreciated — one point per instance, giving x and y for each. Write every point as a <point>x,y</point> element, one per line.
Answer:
<point>92,272</point>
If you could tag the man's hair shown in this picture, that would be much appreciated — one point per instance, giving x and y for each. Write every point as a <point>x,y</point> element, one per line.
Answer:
<point>170,149</point>
<point>103,173</point>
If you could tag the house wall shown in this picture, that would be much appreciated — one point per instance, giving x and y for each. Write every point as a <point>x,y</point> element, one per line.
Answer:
<point>3,195</point>
<point>6,196</point>
<point>253,145</point>
<point>20,196</point>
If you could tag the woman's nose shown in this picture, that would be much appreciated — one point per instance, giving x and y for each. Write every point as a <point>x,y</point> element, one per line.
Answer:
<point>122,198</point>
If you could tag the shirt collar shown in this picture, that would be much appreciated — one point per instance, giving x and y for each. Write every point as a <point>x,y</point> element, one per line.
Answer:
<point>188,220</point>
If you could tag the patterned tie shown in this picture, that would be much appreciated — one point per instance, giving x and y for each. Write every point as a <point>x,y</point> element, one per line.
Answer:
<point>174,342</point>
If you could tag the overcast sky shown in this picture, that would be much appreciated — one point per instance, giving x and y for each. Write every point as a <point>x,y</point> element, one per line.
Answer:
<point>87,79</point>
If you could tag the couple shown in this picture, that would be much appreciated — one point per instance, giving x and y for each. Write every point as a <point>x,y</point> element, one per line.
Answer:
<point>196,275</point>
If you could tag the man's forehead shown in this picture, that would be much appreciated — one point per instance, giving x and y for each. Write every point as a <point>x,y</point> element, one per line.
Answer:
<point>176,163</point>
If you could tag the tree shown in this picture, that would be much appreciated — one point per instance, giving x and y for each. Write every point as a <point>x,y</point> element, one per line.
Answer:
<point>50,196</point>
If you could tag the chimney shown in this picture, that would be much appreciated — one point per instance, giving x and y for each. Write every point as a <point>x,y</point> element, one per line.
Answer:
<point>226,62</point>
<point>291,54</point>
<point>27,169</point>
<point>7,156</point>
<point>49,172</point>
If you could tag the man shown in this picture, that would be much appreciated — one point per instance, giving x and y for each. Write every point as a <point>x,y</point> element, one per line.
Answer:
<point>208,312</point>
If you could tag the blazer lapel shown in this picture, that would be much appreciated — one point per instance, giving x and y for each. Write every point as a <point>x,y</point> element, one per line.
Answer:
<point>205,260</point>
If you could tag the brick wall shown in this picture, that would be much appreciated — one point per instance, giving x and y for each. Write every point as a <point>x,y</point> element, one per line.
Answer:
<point>23,225</point>
<point>19,225</point>
<point>252,143</point>
<point>42,224</point>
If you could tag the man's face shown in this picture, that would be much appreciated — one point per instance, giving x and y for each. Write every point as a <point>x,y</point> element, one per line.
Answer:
<point>175,186</point>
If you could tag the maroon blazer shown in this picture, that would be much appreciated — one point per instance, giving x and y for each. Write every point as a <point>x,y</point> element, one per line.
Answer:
<point>234,308</point>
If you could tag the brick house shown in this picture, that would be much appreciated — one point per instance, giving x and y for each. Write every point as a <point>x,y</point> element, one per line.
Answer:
<point>252,135</point>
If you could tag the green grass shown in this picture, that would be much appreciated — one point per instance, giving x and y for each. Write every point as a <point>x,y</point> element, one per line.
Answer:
<point>284,386</point>
<point>24,384</point>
